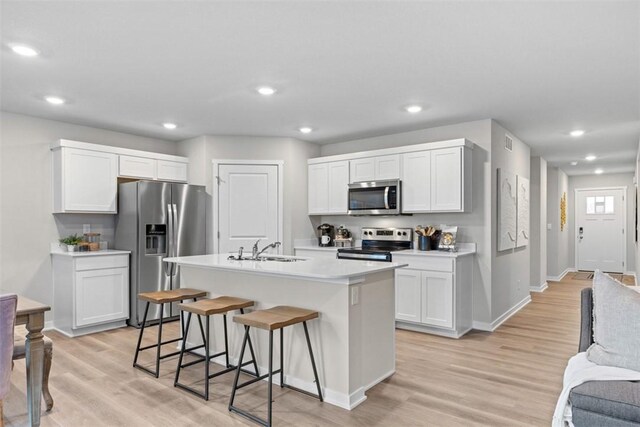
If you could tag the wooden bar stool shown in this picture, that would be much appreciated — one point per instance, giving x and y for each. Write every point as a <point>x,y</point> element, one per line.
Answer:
<point>271,319</point>
<point>209,307</point>
<point>162,298</point>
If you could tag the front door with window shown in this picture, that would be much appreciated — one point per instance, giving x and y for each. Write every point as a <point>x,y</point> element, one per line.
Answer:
<point>600,230</point>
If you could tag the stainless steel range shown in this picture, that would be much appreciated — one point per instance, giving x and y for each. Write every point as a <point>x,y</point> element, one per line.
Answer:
<point>378,244</point>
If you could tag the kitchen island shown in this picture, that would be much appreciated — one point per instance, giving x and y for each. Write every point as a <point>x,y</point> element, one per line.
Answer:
<point>353,339</point>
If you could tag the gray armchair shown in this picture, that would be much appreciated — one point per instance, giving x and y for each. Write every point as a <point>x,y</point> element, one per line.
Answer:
<point>8,305</point>
<point>602,403</point>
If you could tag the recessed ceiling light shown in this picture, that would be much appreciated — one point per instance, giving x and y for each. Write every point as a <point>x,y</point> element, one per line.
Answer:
<point>305,129</point>
<point>576,133</point>
<point>266,90</point>
<point>169,125</point>
<point>574,163</point>
<point>24,50</point>
<point>590,158</point>
<point>413,109</point>
<point>55,100</point>
<point>598,171</point>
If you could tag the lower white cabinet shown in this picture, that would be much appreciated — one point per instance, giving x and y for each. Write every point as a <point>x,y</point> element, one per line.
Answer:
<point>90,292</point>
<point>434,294</point>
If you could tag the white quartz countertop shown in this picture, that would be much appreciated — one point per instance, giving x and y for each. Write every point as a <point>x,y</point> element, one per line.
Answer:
<point>324,270</point>
<point>90,253</point>
<point>317,248</point>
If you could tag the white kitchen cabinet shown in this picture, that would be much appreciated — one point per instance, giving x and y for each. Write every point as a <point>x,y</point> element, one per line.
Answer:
<point>172,171</point>
<point>434,294</point>
<point>327,186</point>
<point>84,181</point>
<point>375,168</point>
<point>416,182</point>
<point>436,180</point>
<point>90,291</point>
<point>85,176</point>
<point>408,295</point>
<point>137,167</point>
<point>437,299</point>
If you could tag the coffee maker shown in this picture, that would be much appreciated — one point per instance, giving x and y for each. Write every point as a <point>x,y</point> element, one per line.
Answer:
<point>326,235</point>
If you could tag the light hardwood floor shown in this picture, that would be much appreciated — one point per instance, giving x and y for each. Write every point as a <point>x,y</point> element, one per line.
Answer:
<point>510,377</point>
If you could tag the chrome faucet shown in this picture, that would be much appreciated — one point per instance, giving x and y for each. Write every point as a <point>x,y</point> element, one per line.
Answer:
<point>257,253</point>
<point>239,257</point>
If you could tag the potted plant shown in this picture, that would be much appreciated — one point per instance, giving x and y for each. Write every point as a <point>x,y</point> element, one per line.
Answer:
<point>70,242</point>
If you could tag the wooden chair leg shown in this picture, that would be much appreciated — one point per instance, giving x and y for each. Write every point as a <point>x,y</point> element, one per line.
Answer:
<point>48,355</point>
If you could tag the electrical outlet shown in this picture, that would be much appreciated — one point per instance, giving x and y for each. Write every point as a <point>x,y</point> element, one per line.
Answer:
<point>86,228</point>
<point>355,295</point>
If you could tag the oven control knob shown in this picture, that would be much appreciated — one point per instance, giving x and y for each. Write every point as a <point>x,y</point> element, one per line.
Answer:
<point>404,233</point>
<point>399,233</point>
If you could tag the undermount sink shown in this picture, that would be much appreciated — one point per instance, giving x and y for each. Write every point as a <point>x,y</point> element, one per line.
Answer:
<point>266,258</point>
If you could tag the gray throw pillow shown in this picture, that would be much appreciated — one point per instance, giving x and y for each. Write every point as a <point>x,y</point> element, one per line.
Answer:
<point>616,324</point>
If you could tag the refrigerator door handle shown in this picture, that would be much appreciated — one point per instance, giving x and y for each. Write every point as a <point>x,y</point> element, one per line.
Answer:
<point>174,269</point>
<point>168,266</point>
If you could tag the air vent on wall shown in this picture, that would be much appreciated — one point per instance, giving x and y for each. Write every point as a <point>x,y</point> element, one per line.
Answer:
<point>508,143</point>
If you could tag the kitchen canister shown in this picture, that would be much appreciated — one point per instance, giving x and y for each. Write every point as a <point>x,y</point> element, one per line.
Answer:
<point>424,243</point>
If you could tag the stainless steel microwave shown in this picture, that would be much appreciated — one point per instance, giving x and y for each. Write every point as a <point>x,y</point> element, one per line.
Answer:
<point>375,198</point>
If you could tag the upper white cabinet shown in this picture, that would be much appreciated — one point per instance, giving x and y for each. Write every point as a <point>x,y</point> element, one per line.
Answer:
<point>416,182</point>
<point>172,171</point>
<point>85,176</point>
<point>437,180</point>
<point>84,181</point>
<point>435,177</point>
<point>137,167</point>
<point>328,185</point>
<point>375,168</point>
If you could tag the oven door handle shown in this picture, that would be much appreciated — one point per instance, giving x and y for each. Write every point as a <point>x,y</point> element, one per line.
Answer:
<point>386,197</point>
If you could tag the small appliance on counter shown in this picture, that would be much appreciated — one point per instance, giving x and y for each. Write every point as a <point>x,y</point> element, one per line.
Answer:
<point>343,238</point>
<point>378,244</point>
<point>326,235</point>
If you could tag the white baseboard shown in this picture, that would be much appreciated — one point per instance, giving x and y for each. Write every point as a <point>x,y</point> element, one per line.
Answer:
<point>48,325</point>
<point>490,327</point>
<point>561,276</point>
<point>540,288</point>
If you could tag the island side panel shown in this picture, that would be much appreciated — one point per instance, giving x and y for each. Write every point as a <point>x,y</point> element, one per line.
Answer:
<point>372,333</point>
<point>329,333</point>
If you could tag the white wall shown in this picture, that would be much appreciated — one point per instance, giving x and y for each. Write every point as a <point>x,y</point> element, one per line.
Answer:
<point>538,223</point>
<point>27,226</point>
<point>557,240</point>
<point>473,227</point>
<point>202,150</point>
<point>637,214</point>
<point>595,181</point>
<point>510,270</point>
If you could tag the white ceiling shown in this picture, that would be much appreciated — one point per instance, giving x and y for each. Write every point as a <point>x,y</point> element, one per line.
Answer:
<point>344,68</point>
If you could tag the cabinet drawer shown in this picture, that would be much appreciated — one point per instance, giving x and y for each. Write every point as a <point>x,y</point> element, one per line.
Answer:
<point>425,262</point>
<point>101,261</point>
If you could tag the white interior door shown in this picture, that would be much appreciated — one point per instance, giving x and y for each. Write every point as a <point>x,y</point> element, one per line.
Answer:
<point>600,230</point>
<point>248,206</point>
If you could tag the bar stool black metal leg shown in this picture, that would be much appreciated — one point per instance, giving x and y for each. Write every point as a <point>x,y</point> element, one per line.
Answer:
<point>226,341</point>
<point>159,341</point>
<point>207,356</point>
<point>235,381</point>
<point>144,321</point>
<point>313,362</point>
<point>184,344</point>
<point>281,357</point>
<point>253,355</point>
<point>270,391</point>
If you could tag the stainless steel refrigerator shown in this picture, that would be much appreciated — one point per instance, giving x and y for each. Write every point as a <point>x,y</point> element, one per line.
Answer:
<point>157,220</point>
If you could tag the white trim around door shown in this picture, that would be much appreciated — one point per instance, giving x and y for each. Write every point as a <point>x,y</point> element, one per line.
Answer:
<point>576,225</point>
<point>215,194</point>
